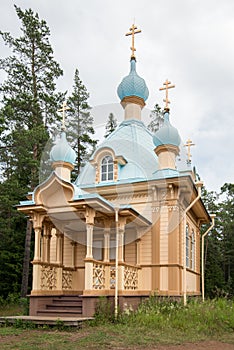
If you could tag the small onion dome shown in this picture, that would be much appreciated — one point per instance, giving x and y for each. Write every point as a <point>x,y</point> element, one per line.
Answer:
<point>167,134</point>
<point>62,151</point>
<point>133,85</point>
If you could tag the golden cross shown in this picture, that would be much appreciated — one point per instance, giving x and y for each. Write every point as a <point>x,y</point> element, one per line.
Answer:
<point>133,31</point>
<point>189,144</point>
<point>167,87</point>
<point>63,110</point>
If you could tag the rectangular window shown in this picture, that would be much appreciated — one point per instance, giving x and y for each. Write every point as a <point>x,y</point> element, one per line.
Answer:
<point>187,246</point>
<point>193,251</point>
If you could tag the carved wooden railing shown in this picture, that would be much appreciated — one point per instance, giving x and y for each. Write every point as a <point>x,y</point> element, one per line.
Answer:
<point>130,277</point>
<point>67,278</point>
<point>50,276</point>
<point>98,275</point>
<point>104,276</point>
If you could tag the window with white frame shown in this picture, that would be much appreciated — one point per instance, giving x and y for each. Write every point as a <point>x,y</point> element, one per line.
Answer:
<point>187,246</point>
<point>107,169</point>
<point>190,248</point>
<point>193,250</point>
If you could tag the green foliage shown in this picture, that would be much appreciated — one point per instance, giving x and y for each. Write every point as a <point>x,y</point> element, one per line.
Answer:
<point>14,305</point>
<point>104,311</point>
<point>29,91</point>
<point>28,111</point>
<point>80,125</point>
<point>197,319</point>
<point>155,322</point>
<point>219,245</point>
<point>111,124</point>
<point>157,119</point>
<point>59,325</point>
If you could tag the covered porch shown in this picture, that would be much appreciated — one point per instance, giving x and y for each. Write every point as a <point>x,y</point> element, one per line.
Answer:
<point>76,247</point>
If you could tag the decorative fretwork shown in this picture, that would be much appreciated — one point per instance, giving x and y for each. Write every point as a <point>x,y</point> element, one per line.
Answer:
<point>98,276</point>
<point>48,277</point>
<point>130,278</point>
<point>67,280</point>
<point>112,277</point>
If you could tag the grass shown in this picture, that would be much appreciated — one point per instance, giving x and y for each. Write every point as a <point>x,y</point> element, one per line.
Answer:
<point>154,323</point>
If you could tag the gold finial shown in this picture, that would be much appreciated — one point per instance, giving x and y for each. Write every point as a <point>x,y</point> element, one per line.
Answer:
<point>167,87</point>
<point>63,110</point>
<point>133,31</point>
<point>189,144</point>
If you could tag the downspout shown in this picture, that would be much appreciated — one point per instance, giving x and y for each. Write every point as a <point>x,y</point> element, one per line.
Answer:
<point>116,260</point>
<point>202,255</point>
<point>199,185</point>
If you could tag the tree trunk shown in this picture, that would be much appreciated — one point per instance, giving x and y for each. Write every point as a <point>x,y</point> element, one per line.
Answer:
<point>25,274</point>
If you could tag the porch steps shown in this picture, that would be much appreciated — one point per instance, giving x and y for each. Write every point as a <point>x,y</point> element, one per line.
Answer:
<point>45,320</point>
<point>64,306</point>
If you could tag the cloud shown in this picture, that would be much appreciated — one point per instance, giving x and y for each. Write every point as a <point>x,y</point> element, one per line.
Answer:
<point>188,42</point>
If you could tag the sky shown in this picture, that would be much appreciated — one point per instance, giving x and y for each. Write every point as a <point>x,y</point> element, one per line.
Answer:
<point>189,42</point>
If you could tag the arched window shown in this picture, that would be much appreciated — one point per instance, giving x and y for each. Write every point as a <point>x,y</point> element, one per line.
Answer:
<point>107,169</point>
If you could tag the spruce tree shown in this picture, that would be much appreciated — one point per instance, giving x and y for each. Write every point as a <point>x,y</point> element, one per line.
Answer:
<point>28,109</point>
<point>156,119</point>
<point>80,123</point>
<point>111,124</point>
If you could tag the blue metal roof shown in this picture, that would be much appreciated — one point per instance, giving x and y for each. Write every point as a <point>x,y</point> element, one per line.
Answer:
<point>167,134</point>
<point>62,151</point>
<point>132,141</point>
<point>133,85</point>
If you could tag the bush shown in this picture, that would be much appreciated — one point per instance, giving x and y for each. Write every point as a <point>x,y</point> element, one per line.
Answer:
<point>104,311</point>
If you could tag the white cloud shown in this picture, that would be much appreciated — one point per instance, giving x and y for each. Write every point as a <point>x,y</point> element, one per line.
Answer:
<point>188,42</point>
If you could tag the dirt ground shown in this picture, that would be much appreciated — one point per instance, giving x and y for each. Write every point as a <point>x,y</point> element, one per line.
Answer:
<point>208,345</point>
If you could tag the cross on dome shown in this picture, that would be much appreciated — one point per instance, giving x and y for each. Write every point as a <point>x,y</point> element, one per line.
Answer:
<point>63,110</point>
<point>189,144</point>
<point>133,31</point>
<point>167,87</point>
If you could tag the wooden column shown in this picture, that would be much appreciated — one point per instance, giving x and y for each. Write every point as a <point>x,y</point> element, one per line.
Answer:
<point>73,257</point>
<point>122,223</point>
<point>121,245</point>
<point>89,248</point>
<point>59,247</point>
<point>106,244</point>
<point>37,247</point>
<point>46,243</point>
<point>90,215</point>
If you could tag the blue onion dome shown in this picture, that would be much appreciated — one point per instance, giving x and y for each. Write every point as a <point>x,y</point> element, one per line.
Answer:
<point>62,151</point>
<point>133,85</point>
<point>167,134</point>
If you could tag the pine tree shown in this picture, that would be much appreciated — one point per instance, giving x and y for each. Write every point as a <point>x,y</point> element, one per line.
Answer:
<point>111,124</point>
<point>29,104</point>
<point>28,94</point>
<point>219,244</point>
<point>227,221</point>
<point>80,123</point>
<point>213,260</point>
<point>156,119</point>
